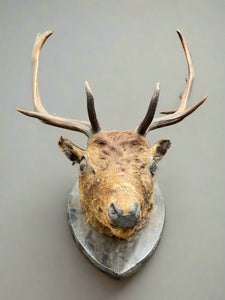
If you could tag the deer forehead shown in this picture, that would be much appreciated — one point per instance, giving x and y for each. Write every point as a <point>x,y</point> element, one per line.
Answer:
<point>118,148</point>
<point>110,142</point>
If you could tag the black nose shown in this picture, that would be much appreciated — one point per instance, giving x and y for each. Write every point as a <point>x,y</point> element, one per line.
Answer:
<point>122,220</point>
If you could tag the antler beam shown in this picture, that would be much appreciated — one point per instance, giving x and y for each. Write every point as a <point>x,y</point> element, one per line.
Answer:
<point>88,128</point>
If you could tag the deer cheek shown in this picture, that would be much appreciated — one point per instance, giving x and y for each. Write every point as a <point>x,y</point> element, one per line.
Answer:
<point>92,199</point>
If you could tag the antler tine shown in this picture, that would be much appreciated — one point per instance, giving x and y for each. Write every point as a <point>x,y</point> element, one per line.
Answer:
<point>191,74</point>
<point>175,116</point>
<point>91,109</point>
<point>142,128</point>
<point>38,44</point>
<point>40,112</point>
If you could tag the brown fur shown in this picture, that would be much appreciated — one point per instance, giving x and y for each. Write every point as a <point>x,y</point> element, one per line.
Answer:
<point>118,171</point>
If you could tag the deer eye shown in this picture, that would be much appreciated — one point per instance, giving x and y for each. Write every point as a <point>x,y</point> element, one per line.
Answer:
<point>153,167</point>
<point>83,164</point>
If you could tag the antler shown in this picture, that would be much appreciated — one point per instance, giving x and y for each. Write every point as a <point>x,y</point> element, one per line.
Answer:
<point>143,127</point>
<point>88,128</point>
<point>174,116</point>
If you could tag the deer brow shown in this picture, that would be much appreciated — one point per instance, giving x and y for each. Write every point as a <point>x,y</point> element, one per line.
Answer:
<point>100,141</point>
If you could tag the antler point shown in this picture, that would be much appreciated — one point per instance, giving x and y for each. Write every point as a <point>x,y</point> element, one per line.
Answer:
<point>86,85</point>
<point>45,34</point>
<point>20,110</point>
<point>205,98</point>
<point>87,88</point>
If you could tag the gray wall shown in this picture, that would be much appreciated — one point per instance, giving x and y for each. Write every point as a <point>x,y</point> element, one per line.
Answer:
<point>122,48</point>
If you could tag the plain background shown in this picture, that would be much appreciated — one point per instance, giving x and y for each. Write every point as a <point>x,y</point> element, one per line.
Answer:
<point>122,48</point>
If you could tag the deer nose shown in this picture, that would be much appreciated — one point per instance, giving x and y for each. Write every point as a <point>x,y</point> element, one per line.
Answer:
<point>122,220</point>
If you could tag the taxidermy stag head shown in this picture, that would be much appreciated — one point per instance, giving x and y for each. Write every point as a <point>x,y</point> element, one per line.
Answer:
<point>117,170</point>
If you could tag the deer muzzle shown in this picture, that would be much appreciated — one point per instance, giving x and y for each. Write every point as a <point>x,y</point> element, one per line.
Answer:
<point>119,218</point>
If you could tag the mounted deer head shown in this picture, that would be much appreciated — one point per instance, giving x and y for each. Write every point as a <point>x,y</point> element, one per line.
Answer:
<point>117,170</point>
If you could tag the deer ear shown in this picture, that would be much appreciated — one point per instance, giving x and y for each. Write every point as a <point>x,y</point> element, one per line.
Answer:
<point>73,152</point>
<point>159,149</point>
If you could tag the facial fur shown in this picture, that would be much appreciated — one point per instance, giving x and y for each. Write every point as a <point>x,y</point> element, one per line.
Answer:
<point>117,167</point>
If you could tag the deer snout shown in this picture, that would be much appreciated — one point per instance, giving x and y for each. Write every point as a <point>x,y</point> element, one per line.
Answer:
<point>119,218</point>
